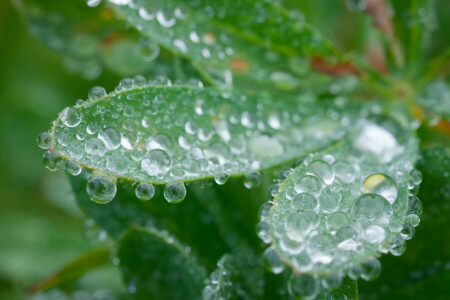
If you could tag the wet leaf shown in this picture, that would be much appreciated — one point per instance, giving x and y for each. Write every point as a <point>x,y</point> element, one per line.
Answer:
<point>156,266</point>
<point>336,211</point>
<point>222,282</point>
<point>231,41</point>
<point>173,134</point>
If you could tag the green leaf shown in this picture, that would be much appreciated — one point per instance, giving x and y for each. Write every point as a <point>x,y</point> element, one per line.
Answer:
<point>73,270</point>
<point>347,290</point>
<point>168,134</point>
<point>156,266</point>
<point>222,283</point>
<point>336,211</point>
<point>254,43</point>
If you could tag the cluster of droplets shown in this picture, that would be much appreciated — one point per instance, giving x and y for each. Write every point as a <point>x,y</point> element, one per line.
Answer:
<point>220,284</point>
<point>342,208</point>
<point>224,55</point>
<point>153,131</point>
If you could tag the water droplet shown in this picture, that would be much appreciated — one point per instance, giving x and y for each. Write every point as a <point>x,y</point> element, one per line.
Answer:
<point>370,269</point>
<point>72,168</point>
<point>264,210</point>
<point>252,180</point>
<point>303,286</point>
<point>263,232</point>
<point>129,140</point>
<point>44,140</point>
<point>70,117</point>
<point>297,226</point>
<point>398,246</point>
<point>320,247</point>
<point>337,220</point>
<point>265,146</point>
<point>344,171</point>
<point>101,189</point>
<point>110,137</point>
<point>374,234</point>
<point>333,280</point>
<point>95,146</point>
<point>52,160</point>
<point>382,185</point>
<point>407,231</point>
<point>328,203</point>
<point>166,17</point>
<point>304,201</point>
<point>412,219</point>
<point>272,261</point>
<point>145,191</point>
<point>96,92</point>
<point>221,179</point>
<point>322,170</point>
<point>308,184</point>
<point>158,162</point>
<point>149,49</point>
<point>416,177</point>
<point>175,192</point>
<point>374,208</point>
<point>414,205</point>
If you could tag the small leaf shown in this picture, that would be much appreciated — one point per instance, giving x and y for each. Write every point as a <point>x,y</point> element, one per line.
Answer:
<point>337,210</point>
<point>156,266</point>
<point>169,134</point>
<point>222,282</point>
<point>230,40</point>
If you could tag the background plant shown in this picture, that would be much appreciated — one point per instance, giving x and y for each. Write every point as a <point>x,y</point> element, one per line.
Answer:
<point>301,95</point>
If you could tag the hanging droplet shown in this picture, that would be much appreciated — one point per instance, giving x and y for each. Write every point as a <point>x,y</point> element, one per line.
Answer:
<point>374,208</point>
<point>221,179</point>
<point>101,189</point>
<point>44,140</point>
<point>322,170</point>
<point>145,191</point>
<point>72,168</point>
<point>70,117</point>
<point>301,286</point>
<point>370,269</point>
<point>253,179</point>
<point>382,185</point>
<point>52,160</point>
<point>175,192</point>
<point>272,261</point>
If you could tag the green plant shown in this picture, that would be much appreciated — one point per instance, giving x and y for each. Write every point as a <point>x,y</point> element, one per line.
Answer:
<point>256,111</point>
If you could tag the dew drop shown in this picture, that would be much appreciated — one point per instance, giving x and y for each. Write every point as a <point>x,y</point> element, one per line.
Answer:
<point>52,160</point>
<point>96,92</point>
<point>72,168</point>
<point>101,189</point>
<point>175,192</point>
<point>158,162</point>
<point>70,117</point>
<point>374,234</point>
<point>322,170</point>
<point>308,184</point>
<point>370,269</point>
<point>272,261</point>
<point>344,171</point>
<point>302,286</point>
<point>382,185</point>
<point>407,231</point>
<point>221,179</point>
<point>145,191</point>
<point>374,208</point>
<point>165,18</point>
<point>44,140</point>
<point>337,220</point>
<point>252,180</point>
<point>110,137</point>
<point>95,146</point>
<point>304,201</point>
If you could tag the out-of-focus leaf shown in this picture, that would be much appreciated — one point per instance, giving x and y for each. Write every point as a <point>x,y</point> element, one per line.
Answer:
<point>344,205</point>
<point>252,44</point>
<point>347,290</point>
<point>222,283</point>
<point>435,98</point>
<point>73,270</point>
<point>168,134</point>
<point>156,266</point>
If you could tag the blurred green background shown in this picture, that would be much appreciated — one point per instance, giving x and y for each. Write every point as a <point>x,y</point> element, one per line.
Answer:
<point>41,228</point>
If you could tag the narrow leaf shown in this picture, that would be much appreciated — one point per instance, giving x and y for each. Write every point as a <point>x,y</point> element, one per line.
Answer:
<point>230,40</point>
<point>337,210</point>
<point>156,266</point>
<point>222,282</point>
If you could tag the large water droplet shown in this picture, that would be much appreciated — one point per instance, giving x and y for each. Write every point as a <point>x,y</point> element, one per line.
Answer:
<point>272,261</point>
<point>302,286</point>
<point>158,162</point>
<point>175,192</point>
<point>70,117</point>
<point>374,208</point>
<point>145,191</point>
<point>101,189</point>
<point>308,184</point>
<point>382,185</point>
<point>52,160</point>
<point>96,92</point>
<point>44,140</point>
<point>110,137</point>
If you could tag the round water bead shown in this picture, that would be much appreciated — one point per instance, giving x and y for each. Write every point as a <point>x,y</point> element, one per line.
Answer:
<point>264,211</point>
<point>101,189</point>
<point>158,162</point>
<point>96,92</point>
<point>337,220</point>
<point>320,247</point>
<point>110,137</point>
<point>145,191</point>
<point>322,170</point>
<point>407,231</point>
<point>415,177</point>
<point>332,280</point>
<point>304,201</point>
<point>308,184</point>
<point>44,140</point>
<point>414,205</point>
<point>272,261</point>
<point>273,192</point>
<point>382,185</point>
<point>252,180</point>
<point>370,269</point>
<point>374,208</point>
<point>303,286</point>
<point>297,226</point>
<point>70,117</point>
<point>221,179</point>
<point>412,219</point>
<point>95,146</point>
<point>175,192</point>
<point>52,160</point>
<point>72,168</point>
<point>263,231</point>
<point>398,246</point>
